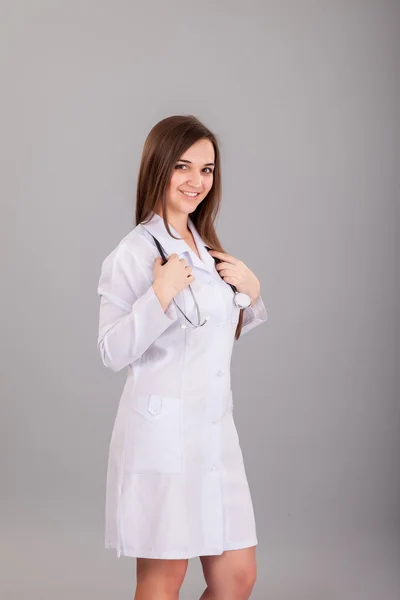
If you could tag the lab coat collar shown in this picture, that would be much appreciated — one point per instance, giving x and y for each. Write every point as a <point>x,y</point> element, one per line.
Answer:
<point>156,226</point>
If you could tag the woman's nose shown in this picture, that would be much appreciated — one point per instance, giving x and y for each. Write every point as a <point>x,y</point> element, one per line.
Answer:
<point>195,180</point>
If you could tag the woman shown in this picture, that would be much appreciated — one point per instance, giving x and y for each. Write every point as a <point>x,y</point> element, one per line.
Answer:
<point>176,483</point>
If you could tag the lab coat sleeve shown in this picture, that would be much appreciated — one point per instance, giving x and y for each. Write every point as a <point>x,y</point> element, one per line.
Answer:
<point>130,319</point>
<point>254,315</point>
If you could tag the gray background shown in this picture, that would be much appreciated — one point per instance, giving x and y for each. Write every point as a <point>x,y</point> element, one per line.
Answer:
<point>304,97</point>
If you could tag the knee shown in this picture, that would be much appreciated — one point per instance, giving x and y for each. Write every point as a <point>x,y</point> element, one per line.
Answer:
<point>243,580</point>
<point>164,578</point>
<point>173,577</point>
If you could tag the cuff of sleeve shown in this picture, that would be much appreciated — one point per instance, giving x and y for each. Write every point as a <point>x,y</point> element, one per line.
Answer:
<point>254,315</point>
<point>258,310</point>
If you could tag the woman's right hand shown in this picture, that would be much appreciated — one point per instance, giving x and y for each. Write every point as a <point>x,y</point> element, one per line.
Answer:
<point>171,278</point>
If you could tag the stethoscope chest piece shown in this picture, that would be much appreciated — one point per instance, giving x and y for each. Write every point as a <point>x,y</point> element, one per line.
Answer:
<point>242,300</point>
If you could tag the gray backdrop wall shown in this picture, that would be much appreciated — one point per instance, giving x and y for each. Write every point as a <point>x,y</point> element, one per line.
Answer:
<point>304,97</point>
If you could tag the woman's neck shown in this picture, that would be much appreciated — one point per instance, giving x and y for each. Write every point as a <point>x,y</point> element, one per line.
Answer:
<point>179,222</point>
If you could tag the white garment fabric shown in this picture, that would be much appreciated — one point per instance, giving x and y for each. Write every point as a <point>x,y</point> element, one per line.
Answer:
<point>176,483</point>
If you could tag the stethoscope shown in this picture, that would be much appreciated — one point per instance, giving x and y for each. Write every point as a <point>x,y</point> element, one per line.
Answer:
<point>240,299</point>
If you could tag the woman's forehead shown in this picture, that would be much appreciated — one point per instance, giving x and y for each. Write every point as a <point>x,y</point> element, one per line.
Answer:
<point>201,151</point>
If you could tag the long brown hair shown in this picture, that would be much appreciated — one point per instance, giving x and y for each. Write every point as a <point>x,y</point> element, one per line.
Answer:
<point>163,147</point>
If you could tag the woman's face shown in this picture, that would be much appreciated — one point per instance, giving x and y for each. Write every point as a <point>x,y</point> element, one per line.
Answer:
<point>193,173</point>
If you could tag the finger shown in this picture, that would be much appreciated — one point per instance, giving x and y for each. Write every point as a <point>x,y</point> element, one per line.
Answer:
<point>225,265</point>
<point>223,256</point>
<point>183,261</point>
<point>228,273</point>
<point>232,280</point>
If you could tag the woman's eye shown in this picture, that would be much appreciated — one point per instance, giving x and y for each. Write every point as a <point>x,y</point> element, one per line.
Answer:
<point>207,169</point>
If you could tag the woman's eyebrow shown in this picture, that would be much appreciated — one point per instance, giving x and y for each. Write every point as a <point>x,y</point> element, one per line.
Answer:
<point>190,162</point>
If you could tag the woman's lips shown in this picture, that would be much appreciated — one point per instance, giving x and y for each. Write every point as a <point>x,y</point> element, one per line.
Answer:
<point>190,194</point>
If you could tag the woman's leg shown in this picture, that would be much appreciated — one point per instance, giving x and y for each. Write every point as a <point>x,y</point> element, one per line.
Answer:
<point>159,579</point>
<point>230,575</point>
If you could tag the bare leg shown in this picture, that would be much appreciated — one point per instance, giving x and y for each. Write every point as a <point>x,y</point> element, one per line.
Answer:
<point>230,575</point>
<point>159,579</point>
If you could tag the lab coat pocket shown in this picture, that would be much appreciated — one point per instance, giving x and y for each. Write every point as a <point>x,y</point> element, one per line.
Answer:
<point>154,440</point>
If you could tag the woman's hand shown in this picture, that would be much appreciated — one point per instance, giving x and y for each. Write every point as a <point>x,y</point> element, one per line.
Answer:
<point>171,278</point>
<point>235,272</point>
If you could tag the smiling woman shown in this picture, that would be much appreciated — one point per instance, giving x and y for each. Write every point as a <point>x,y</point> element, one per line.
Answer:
<point>176,482</point>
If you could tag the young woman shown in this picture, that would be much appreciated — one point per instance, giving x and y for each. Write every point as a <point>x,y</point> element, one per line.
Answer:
<point>176,482</point>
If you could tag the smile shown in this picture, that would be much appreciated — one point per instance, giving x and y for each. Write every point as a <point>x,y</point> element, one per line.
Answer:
<point>190,194</point>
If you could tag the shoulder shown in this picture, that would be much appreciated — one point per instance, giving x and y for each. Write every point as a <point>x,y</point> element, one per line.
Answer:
<point>136,247</point>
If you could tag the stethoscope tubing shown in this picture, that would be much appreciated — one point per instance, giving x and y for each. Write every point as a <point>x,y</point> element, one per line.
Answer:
<point>216,260</point>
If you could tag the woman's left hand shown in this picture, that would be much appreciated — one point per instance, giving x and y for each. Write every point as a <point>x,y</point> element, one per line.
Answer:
<point>234,271</point>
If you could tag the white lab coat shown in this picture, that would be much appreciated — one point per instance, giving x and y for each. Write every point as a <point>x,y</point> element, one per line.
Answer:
<point>176,483</point>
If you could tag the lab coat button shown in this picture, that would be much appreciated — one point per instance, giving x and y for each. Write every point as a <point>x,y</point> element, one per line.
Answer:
<point>154,404</point>
<point>220,373</point>
<point>214,468</point>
